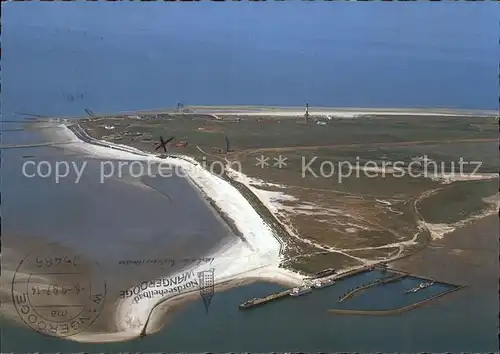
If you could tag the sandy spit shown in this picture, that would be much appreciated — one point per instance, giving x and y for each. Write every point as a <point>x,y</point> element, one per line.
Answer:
<point>233,263</point>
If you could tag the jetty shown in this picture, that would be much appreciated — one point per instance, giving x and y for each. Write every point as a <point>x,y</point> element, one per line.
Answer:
<point>330,274</point>
<point>263,300</point>
<point>325,275</point>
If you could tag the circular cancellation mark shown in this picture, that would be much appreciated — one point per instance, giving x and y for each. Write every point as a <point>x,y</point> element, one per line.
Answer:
<point>57,293</point>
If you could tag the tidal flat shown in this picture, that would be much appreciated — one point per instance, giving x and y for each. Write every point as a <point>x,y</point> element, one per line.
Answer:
<point>230,320</point>
<point>103,223</point>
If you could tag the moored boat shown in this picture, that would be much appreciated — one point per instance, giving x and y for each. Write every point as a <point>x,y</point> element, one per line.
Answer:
<point>318,284</point>
<point>300,291</point>
<point>419,287</point>
<point>246,304</point>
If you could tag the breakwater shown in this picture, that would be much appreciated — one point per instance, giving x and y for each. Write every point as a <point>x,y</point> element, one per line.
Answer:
<point>393,311</point>
<point>369,285</point>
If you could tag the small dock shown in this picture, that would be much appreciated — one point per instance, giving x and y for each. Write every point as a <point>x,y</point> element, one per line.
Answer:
<point>263,300</point>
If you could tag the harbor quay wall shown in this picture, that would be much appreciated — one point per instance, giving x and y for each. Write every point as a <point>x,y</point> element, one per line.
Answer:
<point>353,272</point>
<point>394,311</point>
<point>374,283</point>
<point>422,277</point>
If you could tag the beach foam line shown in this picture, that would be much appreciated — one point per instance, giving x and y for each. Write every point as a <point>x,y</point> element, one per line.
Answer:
<point>233,261</point>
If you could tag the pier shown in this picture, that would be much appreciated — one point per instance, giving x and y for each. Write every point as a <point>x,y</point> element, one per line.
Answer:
<point>328,274</point>
<point>263,300</point>
<point>395,275</point>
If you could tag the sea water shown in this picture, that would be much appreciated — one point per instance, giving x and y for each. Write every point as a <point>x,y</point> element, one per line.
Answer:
<point>299,324</point>
<point>59,59</point>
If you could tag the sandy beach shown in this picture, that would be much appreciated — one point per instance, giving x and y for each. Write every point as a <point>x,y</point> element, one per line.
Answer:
<point>293,112</point>
<point>258,254</point>
<point>255,256</point>
<point>256,259</point>
<point>333,112</point>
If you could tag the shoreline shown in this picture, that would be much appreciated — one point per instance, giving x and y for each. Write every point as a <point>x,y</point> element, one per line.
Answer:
<point>265,260</point>
<point>260,261</point>
<point>336,112</point>
<point>292,111</point>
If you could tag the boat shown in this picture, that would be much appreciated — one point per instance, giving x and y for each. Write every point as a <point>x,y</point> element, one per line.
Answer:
<point>300,291</point>
<point>424,285</point>
<point>246,304</point>
<point>419,287</point>
<point>318,284</point>
<point>413,290</point>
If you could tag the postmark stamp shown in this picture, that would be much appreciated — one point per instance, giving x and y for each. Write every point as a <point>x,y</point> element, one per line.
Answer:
<point>57,293</point>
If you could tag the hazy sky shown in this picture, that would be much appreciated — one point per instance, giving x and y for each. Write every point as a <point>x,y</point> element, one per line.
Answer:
<point>145,55</point>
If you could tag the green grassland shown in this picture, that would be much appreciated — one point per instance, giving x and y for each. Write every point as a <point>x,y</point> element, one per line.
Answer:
<point>252,133</point>
<point>458,201</point>
<point>380,205</point>
<point>318,262</point>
